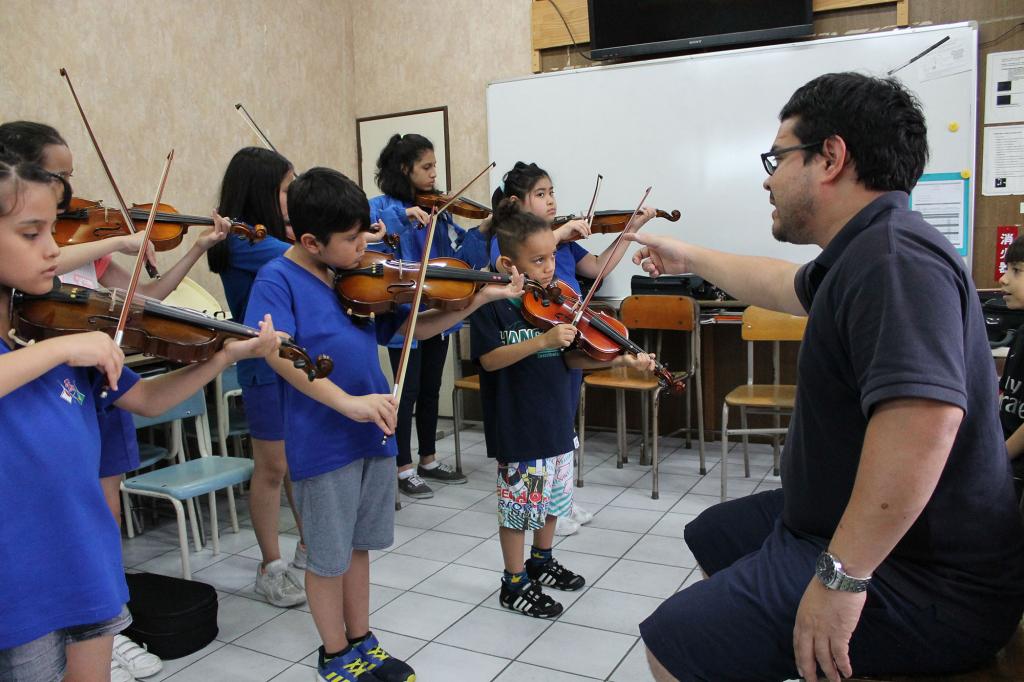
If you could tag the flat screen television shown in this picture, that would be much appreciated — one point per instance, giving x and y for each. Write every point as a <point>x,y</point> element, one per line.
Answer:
<point>626,28</point>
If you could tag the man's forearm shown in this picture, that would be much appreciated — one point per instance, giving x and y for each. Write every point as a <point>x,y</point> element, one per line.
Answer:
<point>905,450</point>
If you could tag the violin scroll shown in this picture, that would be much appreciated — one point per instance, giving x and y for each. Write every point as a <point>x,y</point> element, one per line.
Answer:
<point>300,359</point>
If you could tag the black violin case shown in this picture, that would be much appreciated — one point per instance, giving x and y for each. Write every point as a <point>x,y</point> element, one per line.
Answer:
<point>171,616</point>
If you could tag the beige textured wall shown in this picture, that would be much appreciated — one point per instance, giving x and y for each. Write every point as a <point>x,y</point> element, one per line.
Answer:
<point>412,55</point>
<point>152,75</point>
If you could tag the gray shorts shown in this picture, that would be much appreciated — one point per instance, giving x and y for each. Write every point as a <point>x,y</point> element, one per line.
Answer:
<point>44,659</point>
<point>349,508</point>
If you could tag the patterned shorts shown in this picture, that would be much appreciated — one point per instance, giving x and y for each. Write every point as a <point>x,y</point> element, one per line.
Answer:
<point>530,491</point>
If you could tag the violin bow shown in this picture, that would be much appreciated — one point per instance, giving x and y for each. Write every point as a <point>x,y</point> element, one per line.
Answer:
<point>604,268</point>
<point>129,224</point>
<point>129,295</point>
<point>593,200</point>
<point>255,128</point>
<point>421,278</point>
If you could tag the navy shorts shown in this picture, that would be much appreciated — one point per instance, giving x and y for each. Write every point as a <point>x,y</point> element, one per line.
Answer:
<point>119,447</point>
<point>738,624</point>
<point>263,410</point>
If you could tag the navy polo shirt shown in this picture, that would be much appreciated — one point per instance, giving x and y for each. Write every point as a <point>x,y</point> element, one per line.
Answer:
<point>894,314</point>
<point>528,406</point>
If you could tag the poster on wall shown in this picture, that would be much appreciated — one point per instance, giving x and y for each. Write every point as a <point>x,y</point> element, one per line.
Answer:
<point>943,200</point>
<point>1003,161</point>
<point>1004,87</point>
<point>373,133</point>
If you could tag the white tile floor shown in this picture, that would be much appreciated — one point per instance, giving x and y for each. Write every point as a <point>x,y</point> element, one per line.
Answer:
<point>434,592</point>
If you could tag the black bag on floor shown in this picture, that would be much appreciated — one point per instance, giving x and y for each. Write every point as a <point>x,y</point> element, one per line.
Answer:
<point>171,616</point>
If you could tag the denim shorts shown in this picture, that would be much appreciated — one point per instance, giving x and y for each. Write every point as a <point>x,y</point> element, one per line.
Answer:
<point>44,659</point>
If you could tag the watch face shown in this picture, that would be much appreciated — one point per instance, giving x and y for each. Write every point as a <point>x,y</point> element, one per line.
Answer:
<point>826,568</point>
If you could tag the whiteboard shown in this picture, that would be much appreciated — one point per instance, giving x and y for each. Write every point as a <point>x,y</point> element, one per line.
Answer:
<point>694,127</point>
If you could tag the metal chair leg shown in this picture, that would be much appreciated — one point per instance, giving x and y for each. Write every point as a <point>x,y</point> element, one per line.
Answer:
<point>457,418</point>
<point>186,570</point>
<point>645,442</point>
<point>725,447</point>
<point>746,441</point>
<point>655,403</point>
<point>582,435</point>
<point>214,528</point>
<point>620,426</point>
<point>689,421</point>
<point>700,424</point>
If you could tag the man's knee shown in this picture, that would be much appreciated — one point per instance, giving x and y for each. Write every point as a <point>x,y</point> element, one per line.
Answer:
<point>657,669</point>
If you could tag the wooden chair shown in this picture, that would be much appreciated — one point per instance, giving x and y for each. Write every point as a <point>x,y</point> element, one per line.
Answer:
<point>775,399</point>
<point>650,313</point>
<point>1007,666</point>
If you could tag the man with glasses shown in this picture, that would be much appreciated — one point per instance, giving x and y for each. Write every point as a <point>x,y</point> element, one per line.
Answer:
<point>894,545</point>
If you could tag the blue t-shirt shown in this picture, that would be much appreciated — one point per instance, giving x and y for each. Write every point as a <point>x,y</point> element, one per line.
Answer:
<point>528,406</point>
<point>892,313</point>
<point>59,544</point>
<point>567,256</point>
<point>317,438</point>
<point>450,240</point>
<point>244,261</point>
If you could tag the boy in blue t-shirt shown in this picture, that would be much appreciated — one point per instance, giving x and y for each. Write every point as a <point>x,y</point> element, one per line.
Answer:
<point>528,397</point>
<point>342,468</point>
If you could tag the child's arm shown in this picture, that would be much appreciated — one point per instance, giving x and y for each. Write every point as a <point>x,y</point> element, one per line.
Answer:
<point>76,255</point>
<point>90,349</point>
<point>1015,443</point>
<point>559,336</point>
<point>579,360</point>
<point>379,408</point>
<point>430,323</point>
<point>590,265</point>
<point>155,396</point>
<point>117,277</point>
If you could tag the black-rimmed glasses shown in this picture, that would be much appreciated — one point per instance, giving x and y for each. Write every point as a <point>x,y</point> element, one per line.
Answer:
<point>771,159</point>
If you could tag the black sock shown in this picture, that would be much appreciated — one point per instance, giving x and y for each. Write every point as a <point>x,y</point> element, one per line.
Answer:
<point>515,581</point>
<point>352,641</point>
<point>539,557</point>
<point>328,656</point>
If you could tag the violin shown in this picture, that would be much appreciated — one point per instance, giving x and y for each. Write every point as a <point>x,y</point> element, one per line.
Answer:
<point>601,336</point>
<point>89,221</point>
<point>156,329</point>
<point>607,222</point>
<point>461,206</point>
<point>380,283</point>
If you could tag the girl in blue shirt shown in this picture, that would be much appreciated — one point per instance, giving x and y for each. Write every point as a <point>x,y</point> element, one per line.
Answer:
<point>255,189</point>
<point>531,187</point>
<point>60,610</point>
<point>407,165</point>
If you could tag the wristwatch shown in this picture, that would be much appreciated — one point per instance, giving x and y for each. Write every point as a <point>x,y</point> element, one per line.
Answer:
<point>830,571</point>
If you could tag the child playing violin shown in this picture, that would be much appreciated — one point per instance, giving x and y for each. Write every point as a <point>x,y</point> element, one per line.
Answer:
<point>531,187</point>
<point>63,595</point>
<point>343,470</point>
<point>91,265</point>
<point>407,165</point>
<point>528,394</point>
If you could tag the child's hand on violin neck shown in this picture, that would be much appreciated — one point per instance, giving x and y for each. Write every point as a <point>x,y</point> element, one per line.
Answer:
<point>215,233</point>
<point>417,215</point>
<point>92,349</point>
<point>130,244</point>
<point>379,408</point>
<point>257,347</point>
<point>514,289</point>
<point>559,336</point>
<point>376,233</point>
<point>643,362</point>
<point>572,230</point>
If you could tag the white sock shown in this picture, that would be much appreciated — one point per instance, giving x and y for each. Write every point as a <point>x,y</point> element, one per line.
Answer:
<point>428,467</point>
<point>406,474</point>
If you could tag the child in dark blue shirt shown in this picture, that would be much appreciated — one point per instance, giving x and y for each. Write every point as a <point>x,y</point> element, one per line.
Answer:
<point>527,391</point>
<point>60,610</point>
<point>1011,385</point>
<point>342,468</point>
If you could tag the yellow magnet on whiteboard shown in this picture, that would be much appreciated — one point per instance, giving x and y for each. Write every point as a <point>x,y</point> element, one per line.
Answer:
<point>965,174</point>
<point>953,126</point>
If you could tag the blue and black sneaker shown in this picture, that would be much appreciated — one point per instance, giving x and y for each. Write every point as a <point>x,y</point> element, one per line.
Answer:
<point>387,668</point>
<point>348,666</point>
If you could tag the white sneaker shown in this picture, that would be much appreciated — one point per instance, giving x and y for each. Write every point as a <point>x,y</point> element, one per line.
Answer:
<point>119,674</point>
<point>301,554</point>
<point>134,659</point>
<point>581,515</point>
<point>565,526</point>
<point>278,585</point>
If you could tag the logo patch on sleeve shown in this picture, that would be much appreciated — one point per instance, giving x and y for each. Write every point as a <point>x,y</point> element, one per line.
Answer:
<point>70,393</point>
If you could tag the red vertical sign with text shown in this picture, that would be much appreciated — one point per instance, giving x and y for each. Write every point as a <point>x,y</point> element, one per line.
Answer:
<point>1005,234</point>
